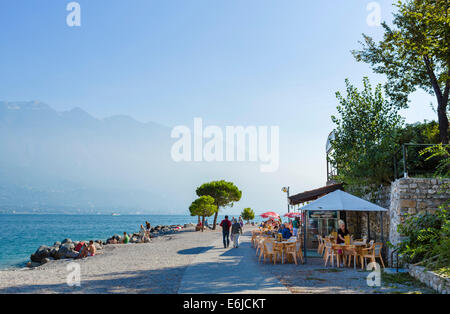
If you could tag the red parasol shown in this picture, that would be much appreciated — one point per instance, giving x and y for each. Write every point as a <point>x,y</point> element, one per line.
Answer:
<point>270,215</point>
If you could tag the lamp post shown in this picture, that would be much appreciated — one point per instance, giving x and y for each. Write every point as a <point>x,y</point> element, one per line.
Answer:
<point>286,190</point>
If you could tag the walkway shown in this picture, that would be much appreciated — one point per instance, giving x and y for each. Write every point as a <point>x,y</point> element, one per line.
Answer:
<point>231,270</point>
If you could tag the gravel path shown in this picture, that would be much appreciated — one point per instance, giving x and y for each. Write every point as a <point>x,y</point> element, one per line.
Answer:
<point>155,267</point>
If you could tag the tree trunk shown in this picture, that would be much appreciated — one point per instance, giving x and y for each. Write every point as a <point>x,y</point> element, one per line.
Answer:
<point>203,223</point>
<point>198,220</point>
<point>443,120</point>
<point>215,220</point>
<point>442,99</point>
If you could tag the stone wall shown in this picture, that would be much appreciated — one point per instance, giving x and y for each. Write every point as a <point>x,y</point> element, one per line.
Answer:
<point>412,196</point>
<point>357,221</point>
<point>431,279</point>
<point>404,196</point>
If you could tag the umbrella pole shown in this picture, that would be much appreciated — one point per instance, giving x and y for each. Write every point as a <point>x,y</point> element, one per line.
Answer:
<point>368,226</point>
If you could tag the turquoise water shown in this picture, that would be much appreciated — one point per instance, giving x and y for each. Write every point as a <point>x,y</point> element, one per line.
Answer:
<point>21,235</point>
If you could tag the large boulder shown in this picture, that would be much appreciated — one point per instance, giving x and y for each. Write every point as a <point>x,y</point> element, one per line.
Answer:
<point>66,241</point>
<point>66,252</point>
<point>42,252</point>
<point>46,260</point>
<point>69,246</point>
<point>54,252</point>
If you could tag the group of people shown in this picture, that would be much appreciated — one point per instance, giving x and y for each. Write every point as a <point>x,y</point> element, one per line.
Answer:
<point>236,227</point>
<point>144,234</point>
<point>287,230</point>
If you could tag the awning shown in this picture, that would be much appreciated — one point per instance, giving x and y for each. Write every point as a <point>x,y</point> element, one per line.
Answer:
<point>342,201</point>
<point>314,194</point>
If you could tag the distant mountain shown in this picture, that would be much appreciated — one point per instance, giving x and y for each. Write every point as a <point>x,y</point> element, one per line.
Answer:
<point>70,162</point>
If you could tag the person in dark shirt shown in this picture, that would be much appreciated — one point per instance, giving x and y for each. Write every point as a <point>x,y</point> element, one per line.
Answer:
<point>226,224</point>
<point>342,232</point>
<point>285,232</point>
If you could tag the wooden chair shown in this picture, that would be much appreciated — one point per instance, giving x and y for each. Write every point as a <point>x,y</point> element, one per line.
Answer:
<point>373,253</point>
<point>269,252</point>
<point>291,251</point>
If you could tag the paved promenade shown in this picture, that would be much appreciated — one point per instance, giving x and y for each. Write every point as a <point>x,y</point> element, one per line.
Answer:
<point>231,270</point>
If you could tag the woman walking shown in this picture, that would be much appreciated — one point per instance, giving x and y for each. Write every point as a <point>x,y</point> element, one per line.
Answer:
<point>236,231</point>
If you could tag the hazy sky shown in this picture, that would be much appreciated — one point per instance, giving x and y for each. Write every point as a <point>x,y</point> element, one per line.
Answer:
<point>230,62</point>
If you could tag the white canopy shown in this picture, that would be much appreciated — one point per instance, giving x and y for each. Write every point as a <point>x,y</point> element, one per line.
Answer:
<point>340,200</point>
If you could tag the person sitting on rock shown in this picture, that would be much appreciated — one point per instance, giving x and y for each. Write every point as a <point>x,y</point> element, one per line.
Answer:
<point>88,250</point>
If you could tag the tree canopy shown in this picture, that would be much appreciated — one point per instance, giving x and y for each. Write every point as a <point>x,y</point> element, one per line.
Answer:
<point>224,194</point>
<point>248,214</point>
<point>203,207</point>
<point>414,54</point>
<point>364,135</point>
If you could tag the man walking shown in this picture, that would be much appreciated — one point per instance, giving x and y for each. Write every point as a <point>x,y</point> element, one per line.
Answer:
<point>226,224</point>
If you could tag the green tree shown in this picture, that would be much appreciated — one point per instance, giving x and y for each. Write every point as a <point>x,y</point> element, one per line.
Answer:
<point>415,54</point>
<point>203,207</point>
<point>224,194</point>
<point>364,136</point>
<point>248,214</point>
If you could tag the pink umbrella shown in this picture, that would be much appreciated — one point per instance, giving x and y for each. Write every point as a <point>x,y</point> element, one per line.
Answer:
<point>270,215</point>
<point>292,215</point>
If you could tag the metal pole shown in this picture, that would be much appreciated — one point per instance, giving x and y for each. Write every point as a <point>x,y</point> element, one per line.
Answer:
<point>304,235</point>
<point>382,236</point>
<point>288,198</point>
<point>405,170</point>
<point>368,226</point>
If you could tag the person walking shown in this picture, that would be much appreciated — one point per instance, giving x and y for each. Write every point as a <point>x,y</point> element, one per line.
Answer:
<point>296,226</point>
<point>226,224</point>
<point>236,231</point>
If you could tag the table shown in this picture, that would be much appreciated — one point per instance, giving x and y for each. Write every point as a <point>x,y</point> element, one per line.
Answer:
<point>358,247</point>
<point>283,244</point>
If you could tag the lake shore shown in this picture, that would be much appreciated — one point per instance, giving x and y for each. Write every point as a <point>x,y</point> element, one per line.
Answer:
<point>155,267</point>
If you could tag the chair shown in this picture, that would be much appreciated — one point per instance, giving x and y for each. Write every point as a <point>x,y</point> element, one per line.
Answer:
<point>330,253</point>
<point>334,235</point>
<point>269,251</point>
<point>321,246</point>
<point>291,251</point>
<point>349,252</point>
<point>373,253</point>
<point>255,235</point>
<point>259,245</point>
<point>347,240</point>
<point>298,248</point>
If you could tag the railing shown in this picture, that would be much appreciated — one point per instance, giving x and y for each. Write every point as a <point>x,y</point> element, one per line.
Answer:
<point>409,166</point>
<point>392,259</point>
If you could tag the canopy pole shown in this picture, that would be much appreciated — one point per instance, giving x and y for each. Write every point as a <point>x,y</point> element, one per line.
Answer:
<point>381,224</point>
<point>304,234</point>
<point>368,226</point>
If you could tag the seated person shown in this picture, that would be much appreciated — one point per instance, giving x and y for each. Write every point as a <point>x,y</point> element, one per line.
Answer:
<point>88,250</point>
<point>285,232</point>
<point>126,238</point>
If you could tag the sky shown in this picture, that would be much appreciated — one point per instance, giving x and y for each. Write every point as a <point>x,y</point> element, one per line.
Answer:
<point>230,62</point>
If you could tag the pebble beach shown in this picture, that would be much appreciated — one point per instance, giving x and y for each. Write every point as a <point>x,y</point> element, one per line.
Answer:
<point>155,267</point>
